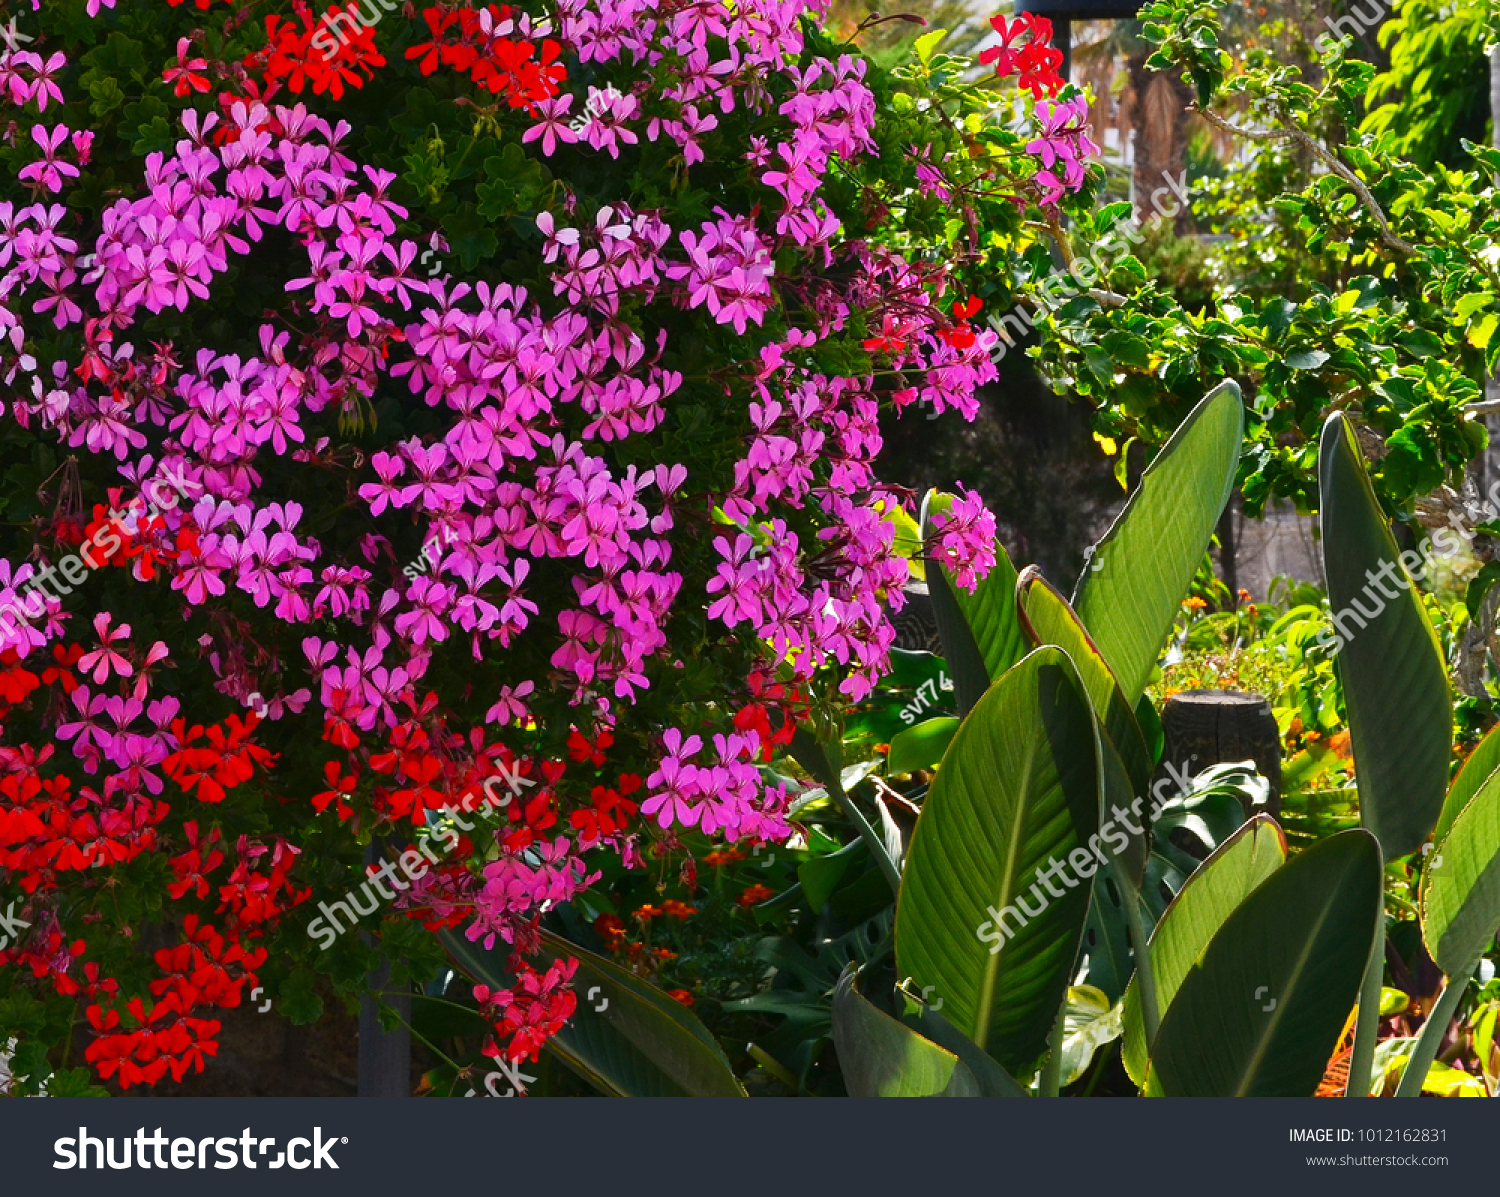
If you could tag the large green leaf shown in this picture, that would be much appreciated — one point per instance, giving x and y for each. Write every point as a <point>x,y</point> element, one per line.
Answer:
<point>1139,572</point>
<point>883,1057</point>
<point>641,1043</point>
<point>1018,789</point>
<point>1460,899</point>
<point>993,1080</point>
<point>1388,660</point>
<point>1048,619</point>
<point>1260,1011</point>
<point>1235,869</point>
<point>1472,774</point>
<point>980,632</point>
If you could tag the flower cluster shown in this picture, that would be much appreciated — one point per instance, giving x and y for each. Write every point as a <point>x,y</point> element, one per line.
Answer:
<point>529,1013</point>
<point>1034,60</point>
<point>1062,147</point>
<point>645,458</point>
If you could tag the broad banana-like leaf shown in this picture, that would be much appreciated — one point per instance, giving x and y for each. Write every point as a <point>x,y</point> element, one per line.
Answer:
<point>628,1038</point>
<point>1261,1010</point>
<point>883,1057</point>
<point>993,1080</point>
<point>1388,660</point>
<point>1472,774</point>
<point>1017,791</point>
<point>1132,590</point>
<point>1460,898</point>
<point>980,632</point>
<point>1231,873</point>
<point>1048,619</point>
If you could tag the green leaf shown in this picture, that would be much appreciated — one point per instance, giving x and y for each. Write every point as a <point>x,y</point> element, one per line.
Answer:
<point>1460,897</point>
<point>471,236</point>
<point>643,1043</point>
<point>1260,1011</point>
<point>922,746</point>
<point>1191,919</point>
<point>1018,789</point>
<point>1048,619</point>
<point>1472,774</point>
<point>1388,659</point>
<point>981,633</point>
<point>993,1080</point>
<point>1479,586</point>
<point>927,43</point>
<point>1139,572</point>
<point>1089,1024</point>
<point>883,1057</point>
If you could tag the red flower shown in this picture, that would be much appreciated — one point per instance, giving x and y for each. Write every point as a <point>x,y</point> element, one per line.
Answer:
<point>1035,61</point>
<point>184,77</point>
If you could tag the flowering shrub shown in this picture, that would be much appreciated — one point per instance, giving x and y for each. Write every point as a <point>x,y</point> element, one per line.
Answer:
<point>517,414</point>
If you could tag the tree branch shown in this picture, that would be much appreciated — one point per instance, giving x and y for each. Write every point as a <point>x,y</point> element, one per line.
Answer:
<point>1291,130</point>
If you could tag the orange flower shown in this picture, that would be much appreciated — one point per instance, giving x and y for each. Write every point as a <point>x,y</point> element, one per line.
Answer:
<point>682,995</point>
<point>754,895</point>
<point>1194,603</point>
<point>723,857</point>
<point>678,910</point>
<point>611,930</point>
<point>648,912</point>
<point>1339,742</point>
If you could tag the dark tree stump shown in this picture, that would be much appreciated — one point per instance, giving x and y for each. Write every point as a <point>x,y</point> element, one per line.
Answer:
<point>1201,728</point>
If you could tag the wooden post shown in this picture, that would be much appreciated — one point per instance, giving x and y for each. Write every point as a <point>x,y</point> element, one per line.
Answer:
<point>1201,728</point>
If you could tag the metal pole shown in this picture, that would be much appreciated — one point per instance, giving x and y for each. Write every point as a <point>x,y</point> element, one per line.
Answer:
<point>384,1058</point>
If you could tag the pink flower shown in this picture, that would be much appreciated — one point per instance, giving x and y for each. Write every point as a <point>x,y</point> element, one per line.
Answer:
<point>965,539</point>
<point>50,171</point>
<point>105,658</point>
